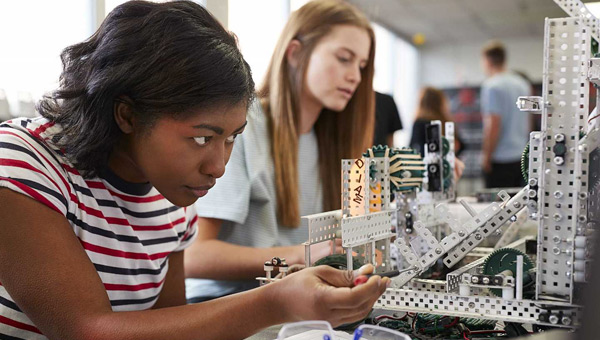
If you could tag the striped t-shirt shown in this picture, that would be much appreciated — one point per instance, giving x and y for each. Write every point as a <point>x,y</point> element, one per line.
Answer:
<point>127,230</point>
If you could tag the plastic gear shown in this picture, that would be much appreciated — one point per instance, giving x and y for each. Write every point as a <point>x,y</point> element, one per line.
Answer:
<point>525,163</point>
<point>445,146</point>
<point>506,259</point>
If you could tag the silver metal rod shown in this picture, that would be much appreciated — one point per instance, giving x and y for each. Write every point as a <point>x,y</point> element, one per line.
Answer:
<point>466,205</point>
<point>519,275</point>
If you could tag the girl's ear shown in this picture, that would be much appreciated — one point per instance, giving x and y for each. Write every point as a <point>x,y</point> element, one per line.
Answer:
<point>123,114</point>
<point>292,52</point>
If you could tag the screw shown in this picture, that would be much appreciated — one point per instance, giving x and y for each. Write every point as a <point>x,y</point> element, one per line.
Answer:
<point>553,319</point>
<point>533,182</point>
<point>558,205</point>
<point>559,160</point>
<point>556,239</point>
<point>557,217</point>
<point>475,279</point>
<point>568,274</point>
<point>566,320</point>
<point>513,218</point>
<point>532,193</point>
<point>438,251</point>
<point>478,237</point>
<point>582,195</point>
<point>558,194</point>
<point>486,280</point>
<point>517,204</point>
<point>582,218</point>
<point>556,251</point>
<point>559,137</point>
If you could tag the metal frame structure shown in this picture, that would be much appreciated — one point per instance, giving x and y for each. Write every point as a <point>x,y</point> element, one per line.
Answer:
<point>562,194</point>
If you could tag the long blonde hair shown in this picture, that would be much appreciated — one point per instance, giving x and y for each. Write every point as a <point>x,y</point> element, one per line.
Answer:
<point>340,135</point>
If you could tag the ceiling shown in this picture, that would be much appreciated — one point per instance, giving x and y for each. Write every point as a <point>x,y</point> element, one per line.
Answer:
<point>455,21</point>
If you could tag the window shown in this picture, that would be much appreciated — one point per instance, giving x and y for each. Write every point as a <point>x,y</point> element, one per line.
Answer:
<point>32,35</point>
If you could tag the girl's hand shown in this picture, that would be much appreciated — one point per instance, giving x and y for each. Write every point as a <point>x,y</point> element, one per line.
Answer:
<point>320,250</point>
<point>325,293</point>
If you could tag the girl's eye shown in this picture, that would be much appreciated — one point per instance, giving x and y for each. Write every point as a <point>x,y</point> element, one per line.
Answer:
<point>232,138</point>
<point>343,60</point>
<point>201,140</point>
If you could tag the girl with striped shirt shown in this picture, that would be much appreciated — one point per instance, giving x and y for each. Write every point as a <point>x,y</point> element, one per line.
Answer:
<point>94,193</point>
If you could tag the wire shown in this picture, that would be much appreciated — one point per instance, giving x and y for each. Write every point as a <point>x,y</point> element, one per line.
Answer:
<point>487,332</point>
<point>391,317</point>
<point>453,323</point>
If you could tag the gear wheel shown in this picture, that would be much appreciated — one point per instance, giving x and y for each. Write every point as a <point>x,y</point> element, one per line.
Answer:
<point>506,259</point>
<point>445,146</point>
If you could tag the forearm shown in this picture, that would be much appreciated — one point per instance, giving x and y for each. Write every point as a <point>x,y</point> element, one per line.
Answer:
<point>215,259</point>
<point>491,134</point>
<point>232,317</point>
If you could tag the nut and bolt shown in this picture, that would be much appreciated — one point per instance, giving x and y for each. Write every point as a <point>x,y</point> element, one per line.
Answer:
<point>533,182</point>
<point>532,193</point>
<point>558,194</point>
<point>461,233</point>
<point>556,251</point>
<point>559,160</point>
<point>568,275</point>
<point>557,217</point>
<point>517,205</point>
<point>582,195</point>
<point>486,280</point>
<point>559,137</point>
<point>566,320</point>
<point>553,319</point>
<point>556,239</point>
<point>478,237</point>
<point>438,251</point>
<point>475,279</point>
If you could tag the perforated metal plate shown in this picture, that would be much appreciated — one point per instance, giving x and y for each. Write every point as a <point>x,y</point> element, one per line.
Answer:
<point>362,229</point>
<point>561,203</point>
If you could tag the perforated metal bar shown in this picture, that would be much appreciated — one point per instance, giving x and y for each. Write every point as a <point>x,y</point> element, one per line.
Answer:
<point>512,207</point>
<point>362,229</point>
<point>566,88</point>
<point>481,307</point>
<point>576,9</point>
<point>323,226</point>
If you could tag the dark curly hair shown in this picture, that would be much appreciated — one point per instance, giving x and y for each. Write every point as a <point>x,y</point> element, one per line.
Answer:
<point>165,58</point>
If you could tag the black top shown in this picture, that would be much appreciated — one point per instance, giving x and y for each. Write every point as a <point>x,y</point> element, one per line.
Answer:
<point>387,118</point>
<point>417,139</point>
